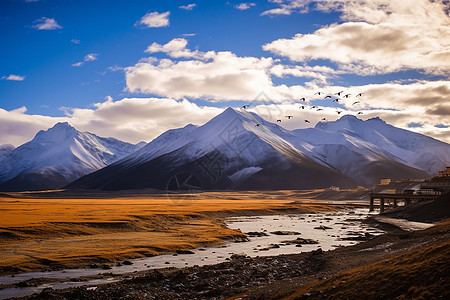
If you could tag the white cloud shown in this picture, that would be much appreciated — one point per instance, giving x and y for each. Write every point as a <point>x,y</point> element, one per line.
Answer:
<point>217,75</point>
<point>416,33</point>
<point>31,1</point>
<point>75,41</point>
<point>188,7</point>
<point>322,74</point>
<point>129,119</point>
<point>46,24</point>
<point>155,19</point>
<point>244,5</point>
<point>136,119</point>
<point>176,48</point>
<point>88,57</point>
<point>14,77</point>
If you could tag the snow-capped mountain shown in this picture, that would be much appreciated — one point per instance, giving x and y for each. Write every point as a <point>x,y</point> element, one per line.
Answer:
<point>56,157</point>
<point>240,150</point>
<point>372,149</point>
<point>5,150</point>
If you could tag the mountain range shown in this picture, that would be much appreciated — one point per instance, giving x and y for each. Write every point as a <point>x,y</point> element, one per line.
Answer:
<point>236,149</point>
<point>56,157</point>
<point>239,150</point>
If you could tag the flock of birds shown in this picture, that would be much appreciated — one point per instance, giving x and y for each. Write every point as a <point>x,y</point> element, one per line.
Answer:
<point>336,99</point>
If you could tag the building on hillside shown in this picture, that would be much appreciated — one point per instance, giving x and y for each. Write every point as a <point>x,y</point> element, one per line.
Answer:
<point>387,186</point>
<point>385,181</point>
<point>440,183</point>
<point>444,173</point>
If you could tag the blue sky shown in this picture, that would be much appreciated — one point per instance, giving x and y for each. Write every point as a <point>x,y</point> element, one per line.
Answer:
<point>89,62</point>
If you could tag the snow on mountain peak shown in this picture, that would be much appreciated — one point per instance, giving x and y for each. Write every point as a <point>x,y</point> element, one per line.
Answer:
<point>64,150</point>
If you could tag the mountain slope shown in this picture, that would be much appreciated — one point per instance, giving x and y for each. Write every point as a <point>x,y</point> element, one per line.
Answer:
<point>5,150</point>
<point>370,150</point>
<point>228,152</point>
<point>56,157</point>
<point>240,150</point>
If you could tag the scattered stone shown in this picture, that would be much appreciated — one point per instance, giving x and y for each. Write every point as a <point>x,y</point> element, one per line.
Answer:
<point>322,227</point>
<point>283,232</point>
<point>300,240</point>
<point>317,252</point>
<point>256,234</point>
<point>184,252</point>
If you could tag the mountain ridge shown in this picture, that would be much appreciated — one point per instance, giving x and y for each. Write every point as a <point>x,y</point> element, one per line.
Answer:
<point>56,157</point>
<point>255,154</point>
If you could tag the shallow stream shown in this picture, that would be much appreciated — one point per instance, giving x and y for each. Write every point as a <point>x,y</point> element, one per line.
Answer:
<point>270,235</point>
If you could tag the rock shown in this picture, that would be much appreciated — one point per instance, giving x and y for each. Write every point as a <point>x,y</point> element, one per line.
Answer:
<point>238,256</point>
<point>280,232</point>
<point>256,233</point>
<point>322,227</point>
<point>24,284</point>
<point>184,252</point>
<point>127,263</point>
<point>300,241</point>
<point>317,252</point>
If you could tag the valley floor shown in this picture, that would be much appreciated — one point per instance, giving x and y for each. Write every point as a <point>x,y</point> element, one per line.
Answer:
<point>396,265</point>
<point>58,230</point>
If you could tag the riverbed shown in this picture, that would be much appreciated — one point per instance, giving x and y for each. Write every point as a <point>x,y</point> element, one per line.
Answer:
<point>267,236</point>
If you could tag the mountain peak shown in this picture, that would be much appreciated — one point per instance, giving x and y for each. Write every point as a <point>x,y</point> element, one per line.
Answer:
<point>62,125</point>
<point>58,132</point>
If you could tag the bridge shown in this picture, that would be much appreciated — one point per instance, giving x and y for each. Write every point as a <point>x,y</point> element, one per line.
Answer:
<point>408,198</point>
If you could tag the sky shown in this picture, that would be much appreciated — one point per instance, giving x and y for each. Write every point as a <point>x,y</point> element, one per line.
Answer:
<point>134,69</point>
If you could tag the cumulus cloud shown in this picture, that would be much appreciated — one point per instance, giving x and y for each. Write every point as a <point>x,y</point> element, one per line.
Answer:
<point>14,77</point>
<point>175,48</point>
<point>155,19</point>
<point>88,57</point>
<point>130,119</point>
<point>321,74</point>
<point>217,75</point>
<point>137,119</point>
<point>188,7</point>
<point>416,33</point>
<point>244,5</point>
<point>46,24</point>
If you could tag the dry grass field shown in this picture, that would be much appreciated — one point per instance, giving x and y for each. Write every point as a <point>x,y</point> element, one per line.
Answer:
<point>39,232</point>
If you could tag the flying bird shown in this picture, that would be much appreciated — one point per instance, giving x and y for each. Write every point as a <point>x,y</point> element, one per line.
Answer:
<point>302,99</point>
<point>313,107</point>
<point>245,106</point>
<point>319,109</point>
<point>302,107</point>
<point>278,120</point>
<point>360,113</point>
<point>339,93</point>
<point>336,100</point>
<point>326,97</point>
<point>360,94</point>
<point>324,119</point>
<point>356,102</point>
<point>318,93</point>
<point>257,125</point>
<point>289,117</point>
<point>306,121</point>
<point>346,96</point>
<point>338,112</point>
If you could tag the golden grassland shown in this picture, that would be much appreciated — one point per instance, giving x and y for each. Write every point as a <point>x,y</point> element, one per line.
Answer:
<point>50,233</point>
